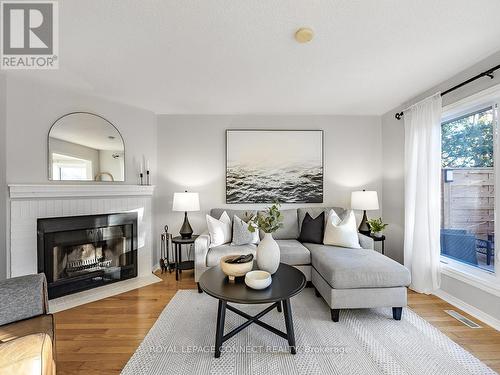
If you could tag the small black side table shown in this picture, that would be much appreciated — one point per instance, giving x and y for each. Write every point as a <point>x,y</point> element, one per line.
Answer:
<point>179,264</point>
<point>379,239</point>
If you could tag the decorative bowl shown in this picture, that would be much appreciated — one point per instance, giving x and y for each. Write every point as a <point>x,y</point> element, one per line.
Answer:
<point>258,279</point>
<point>233,270</point>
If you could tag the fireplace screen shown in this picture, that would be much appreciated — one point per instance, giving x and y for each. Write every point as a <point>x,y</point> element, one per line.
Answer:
<point>84,252</point>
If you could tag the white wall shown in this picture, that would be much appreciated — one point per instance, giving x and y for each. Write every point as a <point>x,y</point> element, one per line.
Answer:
<point>191,155</point>
<point>32,107</point>
<point>3,185</point>
<point>393,176</point>
<point>393,184</point>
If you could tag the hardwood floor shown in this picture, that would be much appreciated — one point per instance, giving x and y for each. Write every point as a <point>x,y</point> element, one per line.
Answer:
<point>484,343</point>
<point>100,337</point>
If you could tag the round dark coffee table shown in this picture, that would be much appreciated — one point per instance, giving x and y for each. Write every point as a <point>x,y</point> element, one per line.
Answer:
<point>287,282</point>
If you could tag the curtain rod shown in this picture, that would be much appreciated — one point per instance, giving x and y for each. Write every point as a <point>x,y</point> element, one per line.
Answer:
<point>487,73</point>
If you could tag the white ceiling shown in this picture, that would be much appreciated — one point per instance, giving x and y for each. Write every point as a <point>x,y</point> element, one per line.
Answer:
<point>239,56</point>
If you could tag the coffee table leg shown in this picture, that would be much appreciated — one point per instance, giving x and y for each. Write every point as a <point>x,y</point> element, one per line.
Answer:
<point>289,325</point>
<point>279,306</point>
<point>221,316</point>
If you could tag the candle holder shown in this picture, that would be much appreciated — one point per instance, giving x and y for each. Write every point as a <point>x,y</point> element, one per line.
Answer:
<point>142,178</point>
<point>148,182</point>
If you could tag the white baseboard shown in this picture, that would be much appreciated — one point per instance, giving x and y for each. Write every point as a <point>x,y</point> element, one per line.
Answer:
<point>469,309</point>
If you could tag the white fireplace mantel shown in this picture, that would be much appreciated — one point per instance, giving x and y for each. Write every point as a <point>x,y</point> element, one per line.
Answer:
<point>30,191</point>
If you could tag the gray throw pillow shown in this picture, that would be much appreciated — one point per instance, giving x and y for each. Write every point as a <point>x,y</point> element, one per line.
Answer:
<point>241,234</point>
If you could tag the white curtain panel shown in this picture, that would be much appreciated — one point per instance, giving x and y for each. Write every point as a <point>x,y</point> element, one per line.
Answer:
<point>422,193</point>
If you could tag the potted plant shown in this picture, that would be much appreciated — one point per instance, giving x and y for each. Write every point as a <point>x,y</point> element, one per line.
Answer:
<point>268,251</point>
<point>377,226</point>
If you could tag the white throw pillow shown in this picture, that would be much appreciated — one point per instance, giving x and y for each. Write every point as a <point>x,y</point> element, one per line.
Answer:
<point>220,230</point>
<point>343,233</point>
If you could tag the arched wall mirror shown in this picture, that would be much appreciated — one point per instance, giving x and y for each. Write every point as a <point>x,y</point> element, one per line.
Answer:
<point>85,147</point>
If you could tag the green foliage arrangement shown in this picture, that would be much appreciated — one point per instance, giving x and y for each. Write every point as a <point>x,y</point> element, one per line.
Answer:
<point>269,222</point>
<point>376,225</point>
<point>467,142</point>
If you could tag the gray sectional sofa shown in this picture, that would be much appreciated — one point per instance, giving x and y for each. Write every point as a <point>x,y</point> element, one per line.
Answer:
<point>345,278</point>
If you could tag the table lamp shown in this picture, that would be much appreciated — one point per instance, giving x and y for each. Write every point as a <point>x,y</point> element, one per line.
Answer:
<point>186,202</point>
<point>364,200</point>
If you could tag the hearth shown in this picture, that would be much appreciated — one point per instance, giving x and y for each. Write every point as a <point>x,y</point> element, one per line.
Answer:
<point>83,252</point>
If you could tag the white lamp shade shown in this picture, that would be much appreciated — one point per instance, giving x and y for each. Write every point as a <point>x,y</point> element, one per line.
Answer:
<point>186,202</point>
<point>364,200</point>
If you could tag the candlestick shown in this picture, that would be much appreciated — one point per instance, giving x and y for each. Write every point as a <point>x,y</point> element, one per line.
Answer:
<point>147,178</point>
<point>141,175</point>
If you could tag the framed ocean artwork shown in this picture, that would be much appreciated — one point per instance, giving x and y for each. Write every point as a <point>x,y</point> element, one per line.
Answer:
<point>265,166</point>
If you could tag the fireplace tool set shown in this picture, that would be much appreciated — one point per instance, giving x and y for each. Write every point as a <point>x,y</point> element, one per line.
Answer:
<point>165,246</point>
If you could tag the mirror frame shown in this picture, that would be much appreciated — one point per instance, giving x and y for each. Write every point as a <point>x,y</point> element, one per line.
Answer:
<point>49,166</point>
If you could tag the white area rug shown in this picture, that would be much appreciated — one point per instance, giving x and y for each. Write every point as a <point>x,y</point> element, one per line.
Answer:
<point>362,342</point>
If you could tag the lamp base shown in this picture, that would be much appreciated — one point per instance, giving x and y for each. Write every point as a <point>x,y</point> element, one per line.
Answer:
<point>364,228</point>
<point>186,230</point>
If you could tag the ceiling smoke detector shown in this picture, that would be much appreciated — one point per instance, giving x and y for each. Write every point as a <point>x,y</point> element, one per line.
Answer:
<point>304,35</point>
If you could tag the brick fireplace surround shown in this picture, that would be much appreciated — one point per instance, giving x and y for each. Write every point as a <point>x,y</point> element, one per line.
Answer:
<point>28,203</point>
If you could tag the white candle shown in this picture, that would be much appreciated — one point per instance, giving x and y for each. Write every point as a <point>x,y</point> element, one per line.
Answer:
<point>147,165</point>
<point>141,170</point>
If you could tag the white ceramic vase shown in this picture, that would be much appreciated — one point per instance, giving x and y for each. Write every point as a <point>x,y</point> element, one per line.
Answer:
<point>268,254</point>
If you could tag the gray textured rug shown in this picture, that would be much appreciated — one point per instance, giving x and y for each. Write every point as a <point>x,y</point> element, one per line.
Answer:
<point>363,342</point>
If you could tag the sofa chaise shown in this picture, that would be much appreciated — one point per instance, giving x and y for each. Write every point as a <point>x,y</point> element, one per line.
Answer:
<point>346,278</point>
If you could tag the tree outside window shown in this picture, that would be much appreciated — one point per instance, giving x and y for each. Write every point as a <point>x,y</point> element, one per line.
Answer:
<point>467,142</point>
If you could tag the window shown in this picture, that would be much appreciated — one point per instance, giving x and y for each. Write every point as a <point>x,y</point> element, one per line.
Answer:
<point>69,168</point>
<point>468,188</point>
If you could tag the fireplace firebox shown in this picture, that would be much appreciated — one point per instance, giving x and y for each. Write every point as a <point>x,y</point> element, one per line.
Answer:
<point>83,252</point>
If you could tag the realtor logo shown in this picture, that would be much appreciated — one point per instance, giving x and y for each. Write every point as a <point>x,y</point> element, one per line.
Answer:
<point>29,37</point>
